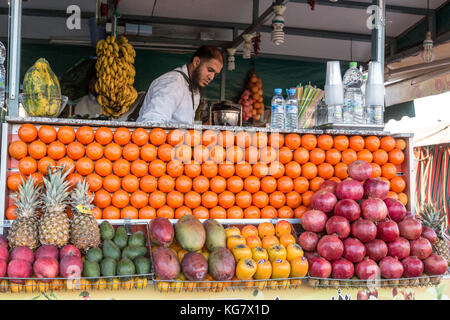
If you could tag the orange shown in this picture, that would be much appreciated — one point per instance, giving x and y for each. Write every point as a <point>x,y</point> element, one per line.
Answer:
<point>403,198</point>
<point>243,199</point>
<point>306,198</point>
<point>292,141</point>
<point>387,143</point>
<point>399,144</point>
<point>396,156</point>
<point>65,134</point>
<point>102,199</point>
<point>103,135</point>
<point>268,154</point>
<point>14,180</point>
<point>148,152</point>
<point>97,213</point>
<point>341,142</point>
<point>356,143</point>
<point>341,170</point>
<point>285,155</point>
<point>103,167</point>
<point>376,170</point>
<point>218,213</point>
<point>47,134</point>
<point>349,155</point>
<point>276,169</point>
<point>157,168</point>
<point>74,178</point>
<point>398,184</point>
<point>259,139</point>
<point>309,170</point>
<point>56,150</point>
<point>325,170</point>
<point>372,143</point>
<point>380,157</point>
<point>277,199</point>
<point>200,213</point>
<point>157,199</point>
<point>139,199</point>
<point>148,183</point>
<point>287,238</point>
<point>27,165</point>
<point>365,155</point>
<point>192,199</point>
<point>325,142</point>
<point>121,167</point>
<point>111,212</point>
<point>27,132</point>
<point>268,241</point>
<point>309,141</point>
<point>93,150</point>
<point>209,138</point>
<point>226,169</point>
<point>234,154</point>
<point>174,199</point>
<point>146,213</point>
<point>276,140</point>
<point>252,212</point>
<point>120,199</point>
<point>260,169</point>
<point>182,211</point>
<point>315,183</point>
<point>139,168</point>
<point>333,156</point>
<point>285,184</point>
<point>75,150</point>
<point>37,149</point>
<point>269,212</point>
<point>217,154</point>
<point>166,152</point>
<point>235,184</point>
<point>218,184</point>
<point>299,211</point>
<point>209,199</point>
<point>37,176</point>
<point>200,184</point>
<point>293,169</point>
<point>175,137</point>
<point>18,149</point>
<point>111,183</point>
<point>166,183</point>
<point>130,183</point>
<point>301,155</point>
<point>249,230</point>
<point>268,184</point>
<point>301,184</point>
<point>192,137</point>
<point>85,134</point>
<point>209,169</point>
<point>165,212</point>
<point>388,170</point>
<point>243,169</point>
<point>129,212</point>
<point>192,169</point>
<point>174,168</point>
<point>84,166</point>
<point>251,154</point>
<point>387,180</point>
<point>122,136</point>
<point>251,184</point>
<point>253,240</point>
<point>392,195</point>
<point>182,153</point>
<point>235,212</point>
<point>317,156</point>
<point>95,182</point>
<point>130,152</point>
<point>182,183</point>
<point>200,153</point>
<point>112,151</point>
<point>260,199</point>
<point>335,179</point>
<point>139,136</point>
<point>226,199</point>
<point>243,139</point>
<point>293,199</point>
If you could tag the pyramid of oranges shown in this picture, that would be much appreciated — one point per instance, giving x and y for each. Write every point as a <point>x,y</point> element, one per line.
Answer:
<point>142,173</point>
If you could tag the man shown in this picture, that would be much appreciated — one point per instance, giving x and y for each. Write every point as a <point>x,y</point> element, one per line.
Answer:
<point>175,96</point>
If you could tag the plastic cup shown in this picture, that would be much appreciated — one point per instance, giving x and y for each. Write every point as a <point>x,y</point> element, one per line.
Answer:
<point>375,85</point>
<point>334,89</point>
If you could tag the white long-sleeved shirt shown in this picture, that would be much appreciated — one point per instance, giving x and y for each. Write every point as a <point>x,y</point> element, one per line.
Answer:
<point>169,99</point>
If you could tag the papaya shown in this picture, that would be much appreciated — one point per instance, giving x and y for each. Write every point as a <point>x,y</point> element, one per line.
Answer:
<point>190,233</point>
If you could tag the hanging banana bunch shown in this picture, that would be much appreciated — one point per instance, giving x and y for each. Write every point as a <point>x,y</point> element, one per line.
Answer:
<point>115,75</point>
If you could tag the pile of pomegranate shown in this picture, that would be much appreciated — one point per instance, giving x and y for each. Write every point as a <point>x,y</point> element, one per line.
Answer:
<point>352,229</point>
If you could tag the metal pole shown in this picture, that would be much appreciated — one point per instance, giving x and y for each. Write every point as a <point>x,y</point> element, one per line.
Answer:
<point>223,77</point>
<point>378,33</point>
<point>14,57</point>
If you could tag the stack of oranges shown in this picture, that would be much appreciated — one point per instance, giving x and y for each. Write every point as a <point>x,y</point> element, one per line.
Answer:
<point>142,173</point>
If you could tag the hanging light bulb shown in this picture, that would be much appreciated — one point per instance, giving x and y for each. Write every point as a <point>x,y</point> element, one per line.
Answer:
<point>247,50</point>
<point>427,54</point>
<point>278,24</point>
<point>231,59</point>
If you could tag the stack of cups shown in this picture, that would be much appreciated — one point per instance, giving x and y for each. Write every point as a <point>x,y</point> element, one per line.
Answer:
<point>334,92</point>
<point>375,94</point>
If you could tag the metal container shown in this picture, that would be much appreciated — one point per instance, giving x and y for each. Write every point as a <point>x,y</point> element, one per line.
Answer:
<point>226,113</point>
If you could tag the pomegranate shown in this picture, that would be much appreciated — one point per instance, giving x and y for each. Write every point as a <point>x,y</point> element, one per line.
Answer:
<point>399,248</point>
<point>396,209</point>
<point>412,267</point>
<point>421,248</point>
<point>373,209</point>
<point>350,189</point>
<point>410,228</point>
<point>308,240</point>
<point>323,200</point>
<point>342,269</point>
<point>429,234</point>
<point>330,247</point>
<point>376,188</point>
<point>319,268</point>
<point>387,230</point>
<point>329,185</point>
<point>364,230</point>
<point>435,265</point>
<point>354,250</point>
<point>367,269</point>
<point>338,225</point>
<point>391,268</point>
<point>348,209</point>
<point>360,170</point>
<point>314,220</point>
<point>310,254</point>
<point>376,249</point>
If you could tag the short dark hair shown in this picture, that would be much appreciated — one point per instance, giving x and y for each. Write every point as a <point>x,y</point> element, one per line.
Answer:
<point>207,53</point>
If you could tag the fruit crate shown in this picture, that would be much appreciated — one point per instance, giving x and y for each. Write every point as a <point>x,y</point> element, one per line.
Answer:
<point>211,285</point>
<point>127,282</point>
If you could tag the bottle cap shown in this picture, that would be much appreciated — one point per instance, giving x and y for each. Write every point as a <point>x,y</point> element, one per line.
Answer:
<point>353,64</point>
<point>278,91</point>
<point>292,91</point>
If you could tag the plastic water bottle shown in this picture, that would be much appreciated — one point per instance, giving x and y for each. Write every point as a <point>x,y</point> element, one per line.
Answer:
<point>353,97</point>
<point>2,75</point>
<point>291,116</point>
<point>277,117</point>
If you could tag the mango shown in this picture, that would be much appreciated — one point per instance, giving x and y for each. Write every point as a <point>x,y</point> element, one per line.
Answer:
<point>190,233</point>
<point>221,264</point>
<point>215,234</point>
<point>165,263</point>
<point>161,231</point>
<point>194,266</point>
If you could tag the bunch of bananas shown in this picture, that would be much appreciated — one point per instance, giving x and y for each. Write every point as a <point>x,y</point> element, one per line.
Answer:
<point>115,74</point>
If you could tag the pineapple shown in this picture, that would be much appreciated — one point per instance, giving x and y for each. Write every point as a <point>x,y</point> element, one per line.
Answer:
<point>435,219</point>
<point>84,230</point>
<point>54,226</point>
<point>24,230</point>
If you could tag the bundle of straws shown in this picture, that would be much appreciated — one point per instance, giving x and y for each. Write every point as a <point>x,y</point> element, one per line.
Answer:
<point>308,97</point>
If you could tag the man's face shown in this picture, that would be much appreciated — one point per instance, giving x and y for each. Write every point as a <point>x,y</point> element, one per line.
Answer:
<point>205,71</point>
